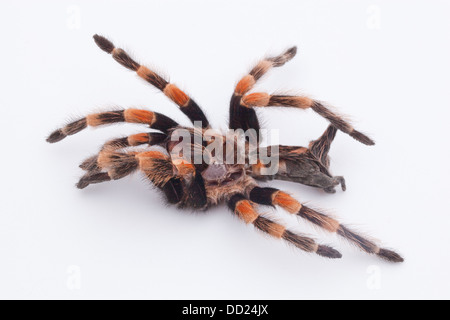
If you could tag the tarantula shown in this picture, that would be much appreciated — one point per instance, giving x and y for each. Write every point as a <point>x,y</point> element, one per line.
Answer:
<point>201,184</point>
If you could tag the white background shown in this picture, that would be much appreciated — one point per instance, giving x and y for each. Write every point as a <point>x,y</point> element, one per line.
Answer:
<point>385,63</point>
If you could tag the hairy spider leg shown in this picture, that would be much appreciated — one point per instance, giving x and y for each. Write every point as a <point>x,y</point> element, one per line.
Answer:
<point>179,180</point>
<point>245,118</point>
<point>187,105</point>
<point>154,120</point>
<point>246,211</point>
<point>320,147</point>
<point>154,164</point>
<point>308,166</point>
<point>149,138</point>
<point>261,99</point>
<point>275,197</point>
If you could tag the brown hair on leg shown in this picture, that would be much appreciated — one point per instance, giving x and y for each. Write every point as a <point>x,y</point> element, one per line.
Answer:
<point>188,106</point>
<point>245,210</point>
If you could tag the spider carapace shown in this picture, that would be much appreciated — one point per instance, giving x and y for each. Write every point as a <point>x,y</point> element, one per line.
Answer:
<point>201,184</point>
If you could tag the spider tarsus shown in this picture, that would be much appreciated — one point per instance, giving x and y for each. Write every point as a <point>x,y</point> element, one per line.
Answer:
<point>104,43</point>
<point>292,51</point>
<point>90,164</point>
<point>82,184</point>
<point>90,178</point>
<point>328,252</point>
<point>285,57</point>
<point>390,256</point>
<point>361,137</point>
<point>56,136</point>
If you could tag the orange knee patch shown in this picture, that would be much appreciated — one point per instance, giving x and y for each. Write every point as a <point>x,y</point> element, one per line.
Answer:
<point>285,201</point>
<point>175,94</point>
<point>245,85</point>
<point>246,211</point>
<point>139,116</point>
<point>137,139</point>
<point>256,100</point>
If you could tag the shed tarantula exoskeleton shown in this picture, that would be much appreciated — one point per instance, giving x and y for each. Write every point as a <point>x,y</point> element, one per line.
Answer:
<point>201,184</point>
